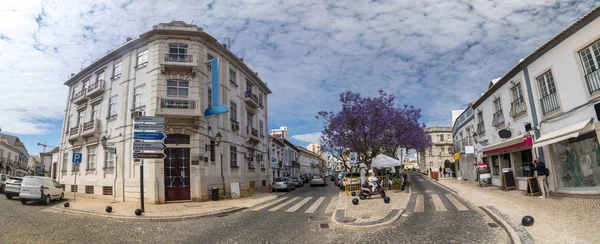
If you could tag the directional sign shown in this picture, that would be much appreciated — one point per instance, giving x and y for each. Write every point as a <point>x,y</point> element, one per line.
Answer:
<point>150,119</point>
<point>149,155</point>
<point>77,157</point>
<point>148,136</point>
<point>149,146</point>
<point>159,127</point>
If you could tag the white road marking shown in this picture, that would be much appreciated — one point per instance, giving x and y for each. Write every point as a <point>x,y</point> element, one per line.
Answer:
<point>298,205</point>
<point>315,205</point>
<point>456,203</point>
<point>331,205</point>
<point>420,205</point>
<point>269,204</point>
<point>283,204</point>
<point>437,202</point>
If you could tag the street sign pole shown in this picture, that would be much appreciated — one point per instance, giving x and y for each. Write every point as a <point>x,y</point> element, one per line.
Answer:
<point>142,183</point>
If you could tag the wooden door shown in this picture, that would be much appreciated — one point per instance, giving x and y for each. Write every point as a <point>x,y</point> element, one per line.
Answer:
<point>177,174</point>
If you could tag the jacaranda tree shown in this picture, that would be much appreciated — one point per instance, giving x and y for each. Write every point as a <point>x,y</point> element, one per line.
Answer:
<point>370,126</point>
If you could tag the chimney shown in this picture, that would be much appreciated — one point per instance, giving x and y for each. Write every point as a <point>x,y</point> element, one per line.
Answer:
<point>128,38</point>
<point>225,45</point>
<point>72,74</point>
<point>242,59</point>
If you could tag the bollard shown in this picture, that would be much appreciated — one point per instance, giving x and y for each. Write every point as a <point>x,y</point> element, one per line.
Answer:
<point>108,209</point>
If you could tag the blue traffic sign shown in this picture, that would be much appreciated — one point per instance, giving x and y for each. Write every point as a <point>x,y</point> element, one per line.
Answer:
<point>37,170</point>
<point>77,157</point>
<point>159,127</point>
<point>148,136</point>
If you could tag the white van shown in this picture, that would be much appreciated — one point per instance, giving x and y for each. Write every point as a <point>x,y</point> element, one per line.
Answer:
<point>36,188</point>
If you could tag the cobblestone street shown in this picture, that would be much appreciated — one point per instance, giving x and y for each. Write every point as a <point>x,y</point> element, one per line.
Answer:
<point>288,221</point>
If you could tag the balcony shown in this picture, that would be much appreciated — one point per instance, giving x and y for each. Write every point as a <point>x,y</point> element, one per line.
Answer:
<point>251,99</point>
<point>517,107</point>
<point>593,81</point>
<point>178,107</point>
<point>498,119</point>
<point>91,128</point>
<point>79,97</point>
<point>480,128</point>
<point>95,89</point>
<point>549,103</point>
<point>178,61</point>
<point>252,135</point>
<point>74,133</point>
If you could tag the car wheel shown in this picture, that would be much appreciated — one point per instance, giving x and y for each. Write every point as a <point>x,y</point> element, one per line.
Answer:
<point>47,200</point>
<point>8,196</point>
<point>2,189</point>
<point>62,196</point>
<point>23,201</point>
<point>311,185</point>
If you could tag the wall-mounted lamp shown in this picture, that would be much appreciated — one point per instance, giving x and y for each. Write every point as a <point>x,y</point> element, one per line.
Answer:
<point>218,138</point>
<point>475,137</point>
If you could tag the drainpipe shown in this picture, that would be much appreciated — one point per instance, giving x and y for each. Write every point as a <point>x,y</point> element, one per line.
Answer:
<point>536,131</point>
<point>125,116</point>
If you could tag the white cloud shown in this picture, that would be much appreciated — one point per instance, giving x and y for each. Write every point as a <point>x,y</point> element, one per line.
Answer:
<point>307,51</point>
<point>309,137</point>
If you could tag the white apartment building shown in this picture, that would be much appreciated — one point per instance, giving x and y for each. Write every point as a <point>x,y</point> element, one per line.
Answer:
<point>13,156</point>
<point>309,161</point>
<point>465,151</point>
<point>547,106</point>
<point>281,133</point>
<point>440,154</point>
<point>165,72</point>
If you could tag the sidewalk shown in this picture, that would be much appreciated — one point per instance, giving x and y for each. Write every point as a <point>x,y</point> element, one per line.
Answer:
<point>368,213</point>
<point>161,212</point>
<point>558,219</point>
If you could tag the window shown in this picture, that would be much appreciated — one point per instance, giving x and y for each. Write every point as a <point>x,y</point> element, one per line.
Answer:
<point>138,96</point>
<point>117,70</point>
<point>212,151</point>
<point>142,58</point>
<point>517,107</point>
<point>495,165</point>
<point>80,117</point>
<point>69,122</point>
<point>249,86</point>
<point>209,92</point>
<point>590,58</point>
<point>232,77</point>
<point>208,63</point>
<point>64,162</point>
<point>233,111</point>
<point>100,77</point>
<point>95,112</point>
<point>113,105</point>
<point>430,151</point>
<point>522,168</point>
<point>480,124</point>
<point>249,118</point>
<point>498,116</point>
<point>178,52</point>
<point>177,88</point>
<point>109,159</point>
<point>441,137</point>
<point>85,86</point>
<point>91,159</point>
<point>260,127</point>
<point>233,157</point>
<point>260,99</point>
<point>549,100</point>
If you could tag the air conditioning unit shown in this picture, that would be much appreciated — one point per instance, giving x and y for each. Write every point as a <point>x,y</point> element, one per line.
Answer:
<point>136,113</point>
<point>235,127</point>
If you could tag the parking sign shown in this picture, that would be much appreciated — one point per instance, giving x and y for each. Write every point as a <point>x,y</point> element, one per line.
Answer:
<point>353,157</point>
<point>77,157</point>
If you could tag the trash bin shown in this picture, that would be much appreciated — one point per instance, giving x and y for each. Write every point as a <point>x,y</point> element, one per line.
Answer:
<point>215,194</point>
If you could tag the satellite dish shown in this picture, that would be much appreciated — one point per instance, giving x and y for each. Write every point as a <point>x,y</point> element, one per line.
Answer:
<point>504,133</point>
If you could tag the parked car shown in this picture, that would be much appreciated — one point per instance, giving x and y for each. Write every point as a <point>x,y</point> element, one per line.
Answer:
<point>12,186</point>
<point>318,180</point>
<point>350,179</point>
<point>44,189</point>
<point>305,178</point>
<point>2,182</point>
<point>338,178</point>
<point>282,183</point>
<point>297,181</point>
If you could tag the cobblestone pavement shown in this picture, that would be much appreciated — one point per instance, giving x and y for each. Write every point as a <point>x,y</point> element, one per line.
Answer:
<point>34,224</point>
<point>557,219</point>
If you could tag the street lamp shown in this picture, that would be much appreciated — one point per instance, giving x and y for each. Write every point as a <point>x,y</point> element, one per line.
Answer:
<point>218,138</point>
<point>475,137</point>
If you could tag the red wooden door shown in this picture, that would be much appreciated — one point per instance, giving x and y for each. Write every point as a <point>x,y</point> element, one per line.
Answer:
<point>177,174</point>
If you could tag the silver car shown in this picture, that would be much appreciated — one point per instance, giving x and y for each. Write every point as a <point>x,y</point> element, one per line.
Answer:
<point>283,183</point>
<point>318,180</point>
<point>12,187</point>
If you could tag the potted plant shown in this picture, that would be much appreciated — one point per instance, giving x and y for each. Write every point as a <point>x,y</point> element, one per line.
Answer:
<point>397,183</point>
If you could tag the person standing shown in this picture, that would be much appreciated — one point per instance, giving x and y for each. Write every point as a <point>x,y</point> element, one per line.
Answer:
<point>540,174</point>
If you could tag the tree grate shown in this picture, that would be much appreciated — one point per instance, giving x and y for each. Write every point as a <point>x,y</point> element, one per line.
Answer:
<point>324,226</point>
<point>492,225</point>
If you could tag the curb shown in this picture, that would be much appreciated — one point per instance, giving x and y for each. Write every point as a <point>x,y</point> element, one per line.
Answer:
<point>150,218</point>
<point>512,234</point>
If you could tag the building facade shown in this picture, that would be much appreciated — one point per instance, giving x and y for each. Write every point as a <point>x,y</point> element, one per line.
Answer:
<point>547,106</point>
<point>165,72</point>
<point>13,156</point>
<point>440,154</point>
<point>466,153</point>
<point>281,133</point>
<point>309,161</point>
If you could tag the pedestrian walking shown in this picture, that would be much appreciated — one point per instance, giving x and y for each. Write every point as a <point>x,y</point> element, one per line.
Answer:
<point>540,174</point>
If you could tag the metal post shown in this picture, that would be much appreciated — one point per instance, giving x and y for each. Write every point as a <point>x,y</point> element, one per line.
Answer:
<point>116,175</point>
<point>76,188</point>
<point>142,185</point>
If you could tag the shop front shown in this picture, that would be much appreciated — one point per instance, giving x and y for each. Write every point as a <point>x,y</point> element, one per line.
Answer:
<point>575,158</point>
<point>513,155</point>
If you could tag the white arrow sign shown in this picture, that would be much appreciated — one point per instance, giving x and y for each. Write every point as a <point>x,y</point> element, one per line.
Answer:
<point>148,146</point>
<point>158,127</point>
<point>150,119</point>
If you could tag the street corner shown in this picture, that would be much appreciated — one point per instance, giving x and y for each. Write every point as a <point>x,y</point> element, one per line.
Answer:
<point>369,213</point>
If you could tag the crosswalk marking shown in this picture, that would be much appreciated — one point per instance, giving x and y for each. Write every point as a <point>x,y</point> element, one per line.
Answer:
<point>283,204</point>
<point>298,205</point>
<point>331,205</point>
<point>315,205</point>
<point>420,205</point>
<point>456,203</point>
<point>269,204</point>
<point>437,202</point>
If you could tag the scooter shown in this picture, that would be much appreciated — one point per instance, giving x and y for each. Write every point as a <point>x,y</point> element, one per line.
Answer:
<point>366,191</point>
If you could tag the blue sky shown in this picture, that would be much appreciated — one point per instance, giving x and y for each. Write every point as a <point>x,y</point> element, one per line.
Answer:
<point>437,55</point>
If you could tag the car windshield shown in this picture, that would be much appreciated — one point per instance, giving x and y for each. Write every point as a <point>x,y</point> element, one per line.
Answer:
<point>317,177</point>
<point>294,178</point>
<point>14,181</point>
<point>31,182</point>
<point>281,179</point>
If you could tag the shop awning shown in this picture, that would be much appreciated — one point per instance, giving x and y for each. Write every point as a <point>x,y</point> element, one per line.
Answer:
<point>562,134</point>
<point>514,143</point>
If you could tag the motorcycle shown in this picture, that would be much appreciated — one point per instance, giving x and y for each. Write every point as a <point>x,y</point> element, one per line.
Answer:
<point>366,191</point>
